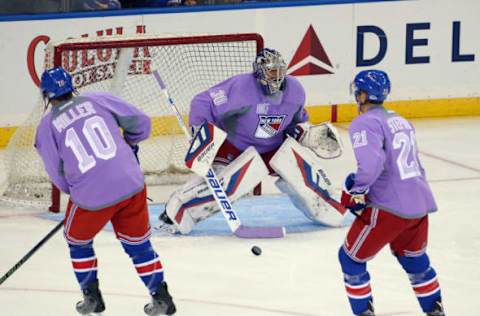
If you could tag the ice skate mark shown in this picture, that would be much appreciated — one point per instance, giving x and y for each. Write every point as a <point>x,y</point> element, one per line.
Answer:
<point>452,162</point>
<point>455,179</point>
<point>179,299</point>
<point>21,215</point>
<point>395,313</point>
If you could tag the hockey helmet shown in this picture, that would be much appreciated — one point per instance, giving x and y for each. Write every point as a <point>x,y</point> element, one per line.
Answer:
<point>55,82</point>
<point>375,83</point>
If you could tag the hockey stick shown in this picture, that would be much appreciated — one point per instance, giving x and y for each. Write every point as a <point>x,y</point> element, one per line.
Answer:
<point>31,252</point>
<point>218,192</point>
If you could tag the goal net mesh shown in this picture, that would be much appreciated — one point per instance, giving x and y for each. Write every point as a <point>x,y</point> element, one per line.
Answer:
<point>123,66</point>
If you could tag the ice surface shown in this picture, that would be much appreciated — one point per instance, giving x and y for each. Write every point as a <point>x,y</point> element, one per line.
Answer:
<point>213,274</point>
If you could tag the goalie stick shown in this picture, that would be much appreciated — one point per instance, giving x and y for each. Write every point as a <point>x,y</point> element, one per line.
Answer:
<point>31,252</point>
<point>217,190</point>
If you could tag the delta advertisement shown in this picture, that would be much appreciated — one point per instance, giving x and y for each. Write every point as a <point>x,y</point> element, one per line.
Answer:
<point>430,49</point>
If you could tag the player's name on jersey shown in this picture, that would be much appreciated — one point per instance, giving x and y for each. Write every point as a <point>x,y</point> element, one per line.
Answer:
<point>73,113</point>
<point>398,123</point>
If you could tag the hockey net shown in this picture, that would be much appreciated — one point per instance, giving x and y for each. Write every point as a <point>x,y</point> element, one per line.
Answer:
<point>123,65</point>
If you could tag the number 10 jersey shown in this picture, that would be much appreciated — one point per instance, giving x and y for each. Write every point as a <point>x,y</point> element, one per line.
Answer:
<point>85,153</point>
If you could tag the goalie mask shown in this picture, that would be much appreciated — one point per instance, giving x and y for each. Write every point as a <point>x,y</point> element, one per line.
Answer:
<point>270,69</point>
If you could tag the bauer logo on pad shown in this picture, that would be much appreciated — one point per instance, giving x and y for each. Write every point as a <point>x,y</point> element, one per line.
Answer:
<point>268,125</point>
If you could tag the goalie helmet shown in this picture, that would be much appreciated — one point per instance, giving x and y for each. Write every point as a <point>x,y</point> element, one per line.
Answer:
<point>270,69</point>
<point>55,82</point>
<point>373,82</point>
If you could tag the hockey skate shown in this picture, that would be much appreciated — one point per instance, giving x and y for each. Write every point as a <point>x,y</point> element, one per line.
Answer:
<point>166,225</point>
<point>162,303</point>
<point>369,311</point>
<point>437,309</point>
<point>92,300</point>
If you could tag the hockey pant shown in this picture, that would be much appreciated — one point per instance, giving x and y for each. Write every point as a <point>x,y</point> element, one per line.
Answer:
<point>407,238</point>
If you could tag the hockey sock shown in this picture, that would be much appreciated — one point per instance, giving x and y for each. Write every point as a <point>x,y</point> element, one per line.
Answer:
<point>423,279</point>
<point>147,263</point>
<point>84,263</point>
<point>357,282</point>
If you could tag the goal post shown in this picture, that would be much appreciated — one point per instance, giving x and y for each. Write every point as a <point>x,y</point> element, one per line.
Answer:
<point>123,65</point>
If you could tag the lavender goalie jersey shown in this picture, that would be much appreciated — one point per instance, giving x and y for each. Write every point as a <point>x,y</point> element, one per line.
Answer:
<point>388,164</point>
<point>85,153</point>
<point>250,118</point>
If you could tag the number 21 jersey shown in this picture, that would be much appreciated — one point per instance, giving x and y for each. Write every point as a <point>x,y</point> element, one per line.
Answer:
<point>388,165</point>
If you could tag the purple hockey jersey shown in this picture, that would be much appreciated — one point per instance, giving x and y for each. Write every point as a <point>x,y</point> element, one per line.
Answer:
<point>85,153</point>
<point>250,118</point>
<point>388,164</point>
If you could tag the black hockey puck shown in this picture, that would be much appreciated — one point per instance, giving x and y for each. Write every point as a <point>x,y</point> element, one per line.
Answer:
<point>257,251</point>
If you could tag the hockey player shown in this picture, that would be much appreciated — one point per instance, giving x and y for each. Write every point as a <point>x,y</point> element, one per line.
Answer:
<point>257,111</point>
<point>391,197</point>
<point>87,157</point>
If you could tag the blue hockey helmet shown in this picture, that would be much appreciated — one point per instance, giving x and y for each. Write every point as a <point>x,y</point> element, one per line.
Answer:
<point>375,83</point>
<point>55,82</point>
<point>270,69</point>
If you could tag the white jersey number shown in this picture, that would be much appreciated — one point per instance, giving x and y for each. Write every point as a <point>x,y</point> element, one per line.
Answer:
<point>99,139</point>
<point>359,139</point>
<point>408,148</point>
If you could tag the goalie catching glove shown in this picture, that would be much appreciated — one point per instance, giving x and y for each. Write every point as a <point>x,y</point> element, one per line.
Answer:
<point>323,139</point>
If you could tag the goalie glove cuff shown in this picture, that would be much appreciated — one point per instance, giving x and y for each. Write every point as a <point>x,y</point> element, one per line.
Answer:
<point>299,131</point>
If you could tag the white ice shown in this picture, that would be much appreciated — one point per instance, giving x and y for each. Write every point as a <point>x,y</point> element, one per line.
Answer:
<point>297,276</point>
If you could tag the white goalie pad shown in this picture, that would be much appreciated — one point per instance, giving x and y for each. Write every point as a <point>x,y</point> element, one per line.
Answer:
<point>194,201</point>
<point>305,181</point>
<point>323,139</point>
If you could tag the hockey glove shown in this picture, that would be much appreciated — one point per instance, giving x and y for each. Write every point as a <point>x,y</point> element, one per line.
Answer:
<point>352,200</point>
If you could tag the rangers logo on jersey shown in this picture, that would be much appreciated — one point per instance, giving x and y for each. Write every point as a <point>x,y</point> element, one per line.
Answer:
<point>268,125</point>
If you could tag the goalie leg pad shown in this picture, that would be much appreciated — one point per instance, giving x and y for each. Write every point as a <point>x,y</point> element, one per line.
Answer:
<point>306,182</point>
<point>194,201</point>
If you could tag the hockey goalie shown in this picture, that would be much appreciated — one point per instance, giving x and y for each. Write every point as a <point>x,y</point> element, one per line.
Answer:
<point>266,131</point>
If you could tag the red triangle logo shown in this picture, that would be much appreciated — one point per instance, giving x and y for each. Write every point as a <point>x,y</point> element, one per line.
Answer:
<point>310,46</point>
<point>310,69</point>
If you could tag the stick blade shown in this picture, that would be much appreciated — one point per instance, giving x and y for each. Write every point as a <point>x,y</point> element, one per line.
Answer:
<point>260,232</point>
